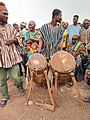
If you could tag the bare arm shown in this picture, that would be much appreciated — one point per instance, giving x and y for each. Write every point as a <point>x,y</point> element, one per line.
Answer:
<point>10,41</point>
<point>40,45</point>
<point>60,43</point>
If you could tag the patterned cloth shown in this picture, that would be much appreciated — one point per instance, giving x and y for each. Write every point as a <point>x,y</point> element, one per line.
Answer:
<point>76,46</point>
<point>32,47</point>
<point>9,55</point>
<point>22,48</point>
<point>85,34</point>
<point>64,44</point>
<point>51,37</point>
<point>76,49</point>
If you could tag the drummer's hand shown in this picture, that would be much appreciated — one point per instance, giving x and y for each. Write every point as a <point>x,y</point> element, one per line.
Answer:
<point>38,50</point>
<point>59,47</point>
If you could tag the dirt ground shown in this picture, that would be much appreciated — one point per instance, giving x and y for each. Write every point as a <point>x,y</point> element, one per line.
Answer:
<point>69,108</point>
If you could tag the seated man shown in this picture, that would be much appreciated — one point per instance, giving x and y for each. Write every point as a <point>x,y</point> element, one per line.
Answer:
<point>87,73</point>
<point>76,48</point>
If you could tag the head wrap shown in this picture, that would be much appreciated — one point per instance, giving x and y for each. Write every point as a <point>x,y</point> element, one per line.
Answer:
<point>2,5</point>
<point>63,23</point>
<point>75,36</point>
<point>67,24</point>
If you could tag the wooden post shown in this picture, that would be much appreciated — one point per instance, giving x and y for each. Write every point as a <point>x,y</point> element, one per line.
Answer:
<point>56,89</point>
<point>31,80</point>
<point>77,89</point>
<point>49,90</point>
<point>26,85</point>
<point>45,106</point>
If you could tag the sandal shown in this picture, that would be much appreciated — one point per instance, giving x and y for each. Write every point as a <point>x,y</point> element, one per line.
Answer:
<point>3,103</point>
<point>87,99</point>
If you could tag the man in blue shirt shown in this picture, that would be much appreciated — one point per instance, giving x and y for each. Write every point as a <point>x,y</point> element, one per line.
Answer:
<point>73,29</point>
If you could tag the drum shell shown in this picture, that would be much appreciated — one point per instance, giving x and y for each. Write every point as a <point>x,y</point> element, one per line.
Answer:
<point>38,79</point>
<point>63,79</point>
<point>39,76</point>
<point>38,64</point>
<point>63,63</point>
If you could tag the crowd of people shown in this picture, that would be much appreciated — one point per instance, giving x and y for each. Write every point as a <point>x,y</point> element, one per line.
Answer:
<point>19,42</point>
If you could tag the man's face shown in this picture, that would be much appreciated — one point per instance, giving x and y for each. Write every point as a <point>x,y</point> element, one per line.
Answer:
<point>21,26</point>
<point>74,40</point>
<point>16,27</point>
<point>4,15</point>
<point>59,18</point>
<point>31,26</point>
<point>86,24</point>
<point>75,19</point>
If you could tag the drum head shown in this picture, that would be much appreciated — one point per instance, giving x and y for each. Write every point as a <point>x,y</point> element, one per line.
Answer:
<point>63,62</point>
<point>37,62</point>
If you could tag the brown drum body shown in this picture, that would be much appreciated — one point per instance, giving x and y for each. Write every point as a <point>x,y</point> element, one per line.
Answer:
<point>63,63</point>
<point>63,79</point>
<point>38,64</point>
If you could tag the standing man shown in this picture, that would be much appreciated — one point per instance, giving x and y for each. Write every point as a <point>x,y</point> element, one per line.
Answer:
<point>85,32</point>
<point>23,48</point>
<point>33,39</point>
<point>51,34</point>
<point>73,29</point>
<point>64,44</point>
<point>9,57</point>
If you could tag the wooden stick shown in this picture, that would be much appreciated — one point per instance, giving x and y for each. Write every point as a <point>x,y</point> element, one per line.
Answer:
<point>47,81</point>
<point>45,106</point>
<point>77,89</point>
<point>26,85</point>
<point>56,89</point>
<point>31,80</point>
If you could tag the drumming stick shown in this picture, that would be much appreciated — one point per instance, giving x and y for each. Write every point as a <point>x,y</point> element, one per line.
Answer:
<point>56,90</point>
<point>77,89</point>
<point>46,106</point>
<point>31,80</point>
<point>47,81</point>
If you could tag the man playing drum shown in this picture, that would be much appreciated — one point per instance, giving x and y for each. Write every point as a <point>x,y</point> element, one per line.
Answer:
<point>51,34</point>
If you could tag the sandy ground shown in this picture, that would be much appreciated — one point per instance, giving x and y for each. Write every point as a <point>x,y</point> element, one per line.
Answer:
<point>69,108</point>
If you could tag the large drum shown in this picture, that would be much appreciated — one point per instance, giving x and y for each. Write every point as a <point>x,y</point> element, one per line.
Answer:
<point>63,63</point>
<point>38,64</point>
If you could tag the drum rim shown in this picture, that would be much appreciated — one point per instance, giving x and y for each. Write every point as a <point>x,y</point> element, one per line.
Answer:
<point>65,72</point>
<point>41,68</point>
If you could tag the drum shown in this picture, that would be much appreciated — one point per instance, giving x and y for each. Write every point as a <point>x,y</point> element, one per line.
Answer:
<point>63,63</point>
<point>38,63</point>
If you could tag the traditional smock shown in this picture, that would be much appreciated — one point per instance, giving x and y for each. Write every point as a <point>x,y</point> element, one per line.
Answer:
<point>51,37</point>
<point>9,55</point>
